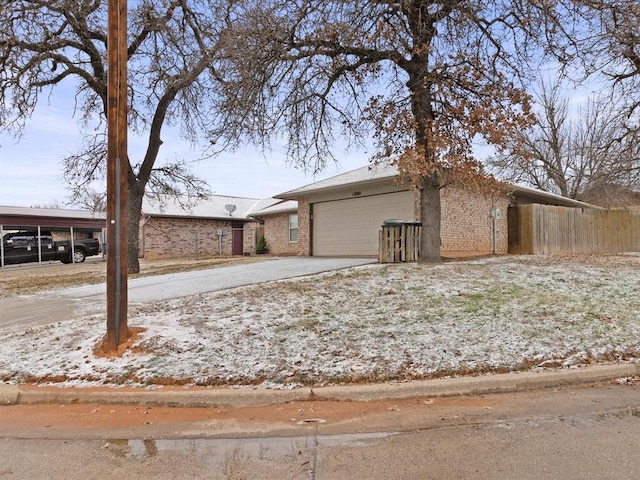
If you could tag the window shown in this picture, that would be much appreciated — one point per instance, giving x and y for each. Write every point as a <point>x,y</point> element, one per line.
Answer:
<point>293,227</point>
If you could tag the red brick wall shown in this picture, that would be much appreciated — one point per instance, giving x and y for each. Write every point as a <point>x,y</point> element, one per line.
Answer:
<point>249,239</point>
<point>304,227</point>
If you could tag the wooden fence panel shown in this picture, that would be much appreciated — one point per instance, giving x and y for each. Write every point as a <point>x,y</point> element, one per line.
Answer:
<point>547,229</point>
<point>399,243</point>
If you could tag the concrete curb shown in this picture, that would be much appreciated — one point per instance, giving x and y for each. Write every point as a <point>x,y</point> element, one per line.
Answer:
<point>237,397</point>
<point>9,394</point>
<point>499,383</point>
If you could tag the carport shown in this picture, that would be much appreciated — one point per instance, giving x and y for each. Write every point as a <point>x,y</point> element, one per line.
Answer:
<point>62,221</point>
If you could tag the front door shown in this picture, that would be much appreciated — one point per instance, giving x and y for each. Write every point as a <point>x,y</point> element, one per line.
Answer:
<point>236,238</point>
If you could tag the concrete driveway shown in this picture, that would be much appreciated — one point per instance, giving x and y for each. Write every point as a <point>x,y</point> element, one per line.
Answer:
<point>21,312</point>
<point>184,284</point>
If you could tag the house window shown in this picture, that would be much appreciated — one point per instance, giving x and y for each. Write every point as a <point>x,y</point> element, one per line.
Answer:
<point>293,227</point>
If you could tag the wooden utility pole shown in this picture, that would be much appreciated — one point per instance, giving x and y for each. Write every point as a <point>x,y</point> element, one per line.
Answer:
<point>117,169</point>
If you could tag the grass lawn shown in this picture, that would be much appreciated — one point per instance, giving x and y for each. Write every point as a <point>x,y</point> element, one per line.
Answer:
<point>365,324</point>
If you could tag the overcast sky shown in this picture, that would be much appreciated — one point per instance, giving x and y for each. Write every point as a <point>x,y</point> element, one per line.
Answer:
<point>32,165</point>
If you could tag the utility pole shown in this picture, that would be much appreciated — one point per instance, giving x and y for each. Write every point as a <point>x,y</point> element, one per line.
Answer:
<point>117,169</point>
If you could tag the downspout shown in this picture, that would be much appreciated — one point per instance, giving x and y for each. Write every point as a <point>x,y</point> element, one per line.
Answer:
<point>1,247</point>
<point>220,233</point>
<point>494,214</point>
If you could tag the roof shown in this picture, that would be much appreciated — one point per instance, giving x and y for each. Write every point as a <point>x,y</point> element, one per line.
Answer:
<point>375,173</point>
<point>551,197</point>
<point>363,175</point>
<point>213,207</point>
<point>223,207</point>
<point>283,206</point>
<point>24,217</point>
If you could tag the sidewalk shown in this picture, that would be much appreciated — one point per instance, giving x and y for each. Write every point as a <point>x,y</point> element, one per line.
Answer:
<point>253,396</point>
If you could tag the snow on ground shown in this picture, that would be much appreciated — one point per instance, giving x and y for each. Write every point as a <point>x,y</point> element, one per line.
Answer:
<point>370,323</point>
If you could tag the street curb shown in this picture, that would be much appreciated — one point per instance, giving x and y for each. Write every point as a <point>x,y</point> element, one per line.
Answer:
<point>249,396</point>
<point>9,394</point>
<point>256,396</point>
<point>192,397</point>
<point>485,384</point>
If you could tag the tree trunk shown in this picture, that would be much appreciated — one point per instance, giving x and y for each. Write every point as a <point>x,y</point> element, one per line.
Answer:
<point>421,84</point>
<point>134,211</point>
<point>430,216</point>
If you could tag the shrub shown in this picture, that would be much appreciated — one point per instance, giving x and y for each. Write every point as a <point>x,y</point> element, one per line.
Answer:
<point>261,246</point>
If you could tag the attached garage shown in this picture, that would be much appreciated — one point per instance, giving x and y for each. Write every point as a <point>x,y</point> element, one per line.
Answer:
<point>343,215</point>
<point>349,227</point>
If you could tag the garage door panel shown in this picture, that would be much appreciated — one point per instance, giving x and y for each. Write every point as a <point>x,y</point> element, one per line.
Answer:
<point>350,227</point>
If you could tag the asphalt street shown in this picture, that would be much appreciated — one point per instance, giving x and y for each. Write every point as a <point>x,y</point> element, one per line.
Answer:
<point>589,432</point>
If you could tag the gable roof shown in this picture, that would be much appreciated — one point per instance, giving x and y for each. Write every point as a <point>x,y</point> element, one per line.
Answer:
<point>362,175</point>
<point>221,207</point>
<point>385,172</point>
<point>283,206</point>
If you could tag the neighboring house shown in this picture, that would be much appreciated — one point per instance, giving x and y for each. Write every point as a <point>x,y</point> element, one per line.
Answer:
<point>612,197</point>
<point>217,225</point>
<point>342,215</point>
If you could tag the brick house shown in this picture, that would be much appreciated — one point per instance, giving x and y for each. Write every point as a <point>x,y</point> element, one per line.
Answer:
<point>338,216</point>
<point>218,225</point>
<point>341,215</point>
<point>281,229</point>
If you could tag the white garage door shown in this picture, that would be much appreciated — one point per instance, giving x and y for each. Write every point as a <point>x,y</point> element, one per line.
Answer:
<point>350,227</point>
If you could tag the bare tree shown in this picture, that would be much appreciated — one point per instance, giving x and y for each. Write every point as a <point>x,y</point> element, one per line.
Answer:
<point>601,40</point>
<point>427,77</point>
<point>573,153</point>
<point>55,205</point>
<point>91,199</point>
<point>182,64</point>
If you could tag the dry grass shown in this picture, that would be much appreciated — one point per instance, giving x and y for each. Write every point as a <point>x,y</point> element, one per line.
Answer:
<point>365,324</point>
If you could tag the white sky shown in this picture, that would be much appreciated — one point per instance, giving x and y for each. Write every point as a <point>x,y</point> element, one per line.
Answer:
<point>31,166</point>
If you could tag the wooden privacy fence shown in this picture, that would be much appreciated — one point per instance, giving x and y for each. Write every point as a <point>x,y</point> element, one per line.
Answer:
<point>399,242</point>
<point>545,229</point>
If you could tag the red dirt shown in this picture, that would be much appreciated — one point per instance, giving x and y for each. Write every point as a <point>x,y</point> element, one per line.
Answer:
<point>92,416</point>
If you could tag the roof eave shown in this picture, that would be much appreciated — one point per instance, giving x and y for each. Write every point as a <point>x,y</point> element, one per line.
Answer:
<point>303,192</point>
<point>552,196</point>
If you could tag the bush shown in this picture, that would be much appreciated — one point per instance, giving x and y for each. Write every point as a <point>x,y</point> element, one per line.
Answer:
<point>261,246</point>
